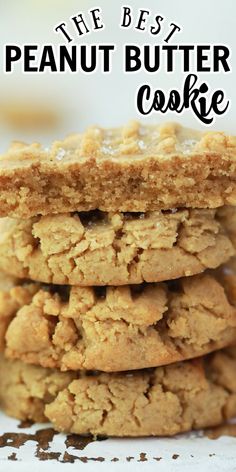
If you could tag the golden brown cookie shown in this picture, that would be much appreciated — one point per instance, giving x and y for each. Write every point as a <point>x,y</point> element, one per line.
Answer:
<point>123,328</point>
<point>134,168</point>
<point>154,402</point>
<point>25,389</point>
<point>97,248</point>
<point>227,217</point>
<point>14,294</point>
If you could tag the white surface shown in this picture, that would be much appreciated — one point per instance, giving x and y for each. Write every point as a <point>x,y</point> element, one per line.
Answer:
<point>195,453</point>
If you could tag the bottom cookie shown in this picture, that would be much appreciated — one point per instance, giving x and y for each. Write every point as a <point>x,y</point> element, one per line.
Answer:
<point>155,402</point>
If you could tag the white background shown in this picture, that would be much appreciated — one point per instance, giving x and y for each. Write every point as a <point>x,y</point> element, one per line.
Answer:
<point>109,100</point>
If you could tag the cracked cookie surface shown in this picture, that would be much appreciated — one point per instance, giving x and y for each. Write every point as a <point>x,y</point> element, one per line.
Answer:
<point>134,168</point>
<point>97,248</point>
<point>25,389</point>
<point>158,402</point>
<point>123,328</point>
<point>227,217</point>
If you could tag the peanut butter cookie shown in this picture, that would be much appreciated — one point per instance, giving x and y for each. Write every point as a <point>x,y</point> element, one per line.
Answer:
<point>123,328</point>
<point>98,248</point>
<point>154,402</point>
<point>135,168</point>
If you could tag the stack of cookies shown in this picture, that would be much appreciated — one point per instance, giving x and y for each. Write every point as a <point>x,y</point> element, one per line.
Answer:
<point>118,310</point>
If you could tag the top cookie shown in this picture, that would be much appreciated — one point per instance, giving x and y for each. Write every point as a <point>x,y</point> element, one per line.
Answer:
<point>134,168</point>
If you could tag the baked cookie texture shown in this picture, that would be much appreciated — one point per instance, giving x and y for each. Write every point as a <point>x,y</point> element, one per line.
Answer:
<point>14,294</point>
<point>124,328</point>
<point>97,248</point>
<point>25,389</point>
<point>134,168</point>
<point>161,402</point>
<point>227,217</point>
